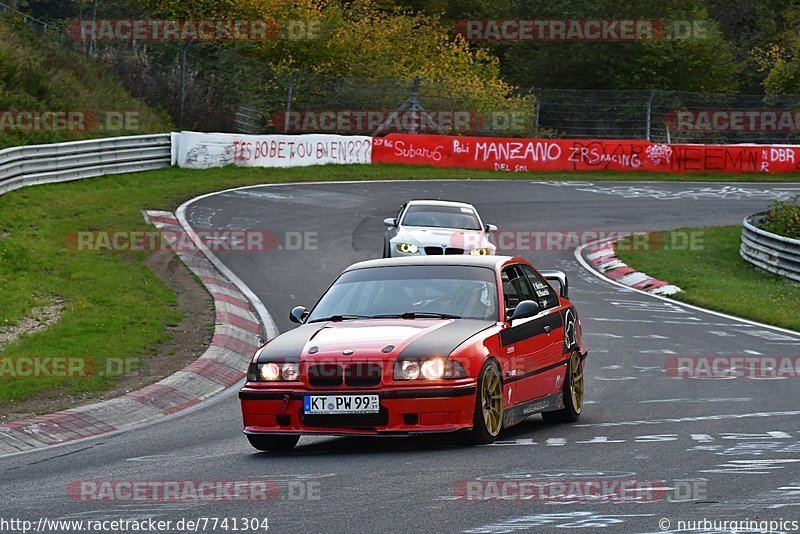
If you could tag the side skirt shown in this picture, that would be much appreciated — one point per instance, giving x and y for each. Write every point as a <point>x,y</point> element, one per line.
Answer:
<point>520,412</point>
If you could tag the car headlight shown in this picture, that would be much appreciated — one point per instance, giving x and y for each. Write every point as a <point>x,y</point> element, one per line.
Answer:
<point>480,252</point>
<point>407,248</point>
<point>273,372</point>
<point>407,370</point>
<point>270,372</point>
<point>290,372</point>
<point>433,369</point>
<point>430,369</point>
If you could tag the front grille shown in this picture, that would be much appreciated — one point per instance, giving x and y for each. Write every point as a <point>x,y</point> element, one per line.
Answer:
<point>368,420</point>
<point>325,375</point>
<point>359,375</point>
<point>438,251</point>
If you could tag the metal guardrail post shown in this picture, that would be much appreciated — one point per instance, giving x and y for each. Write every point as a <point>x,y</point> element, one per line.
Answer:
<point>769,252</point>
<point>182,80</point>
<point>289,99</point>
<point>90,40</point>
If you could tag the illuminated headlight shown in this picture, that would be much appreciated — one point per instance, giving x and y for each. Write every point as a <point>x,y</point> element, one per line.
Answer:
<point>270,372</point>
<point>480,252</point>
<point>407,248</point>
<point>433,369</point>
<point>290,372</point>
<point>273,372</point>
<point>407,370</point>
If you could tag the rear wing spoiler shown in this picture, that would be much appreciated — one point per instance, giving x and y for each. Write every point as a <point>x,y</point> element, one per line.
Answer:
<point>561,278</point>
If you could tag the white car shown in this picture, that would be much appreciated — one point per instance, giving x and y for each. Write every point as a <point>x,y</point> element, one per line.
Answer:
<point>435,228</point>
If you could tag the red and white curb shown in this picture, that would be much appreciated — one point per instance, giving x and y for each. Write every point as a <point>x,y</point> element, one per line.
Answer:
<point>604,259</point>
<point>235,340</point>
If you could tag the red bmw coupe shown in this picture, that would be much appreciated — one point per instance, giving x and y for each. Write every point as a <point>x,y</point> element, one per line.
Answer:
<point>410,345</point>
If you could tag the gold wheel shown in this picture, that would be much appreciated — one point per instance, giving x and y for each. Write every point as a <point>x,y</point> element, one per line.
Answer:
<point>492,400</point>
<point>576,382</point>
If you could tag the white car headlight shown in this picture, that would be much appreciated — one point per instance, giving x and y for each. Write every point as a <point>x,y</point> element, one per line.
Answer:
<point>407,248</point>
<point>480,252</point>
<point>270,372</point>
<point>433,369</point>
<point>407,370</point>
<point>430,369</point>
<point>274,372</point>
<point>290,372</point>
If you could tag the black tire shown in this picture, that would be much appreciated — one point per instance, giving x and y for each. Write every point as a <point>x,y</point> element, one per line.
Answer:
<point>487,419</point>
<point>386,249</point>
<point>573,393</point>
<point>269,443</point>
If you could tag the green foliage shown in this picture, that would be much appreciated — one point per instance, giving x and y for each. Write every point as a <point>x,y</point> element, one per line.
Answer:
<point>783,218</point>
<point>702,62</point>
<point>751,27</point>
<point>41,76</point>
<point>364,40</point>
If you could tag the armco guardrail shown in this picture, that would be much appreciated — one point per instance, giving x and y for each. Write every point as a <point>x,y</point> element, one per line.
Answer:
<point>61,162</point>
<point>768,251</point>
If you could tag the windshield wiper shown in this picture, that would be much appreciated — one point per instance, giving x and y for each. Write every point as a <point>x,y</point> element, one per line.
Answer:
<point>337,318</point>
<point>414,315</point>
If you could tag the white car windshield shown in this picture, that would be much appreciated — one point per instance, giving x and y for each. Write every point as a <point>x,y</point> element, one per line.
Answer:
<point>432,216</point>
<point>411,291</point>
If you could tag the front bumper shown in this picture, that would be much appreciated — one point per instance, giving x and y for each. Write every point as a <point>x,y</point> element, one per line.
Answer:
<point>404,411</point>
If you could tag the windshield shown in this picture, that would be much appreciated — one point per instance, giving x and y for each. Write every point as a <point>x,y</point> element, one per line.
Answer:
<point>411,290</point>
<point>441,217</point>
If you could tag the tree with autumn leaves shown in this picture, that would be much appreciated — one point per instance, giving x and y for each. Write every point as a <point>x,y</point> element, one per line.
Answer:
<point>359,39</point>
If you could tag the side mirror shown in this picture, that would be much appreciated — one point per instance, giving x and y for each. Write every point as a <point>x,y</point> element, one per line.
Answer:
<point>561,278</point>
<point>391,223</point>
<point>490,227</point>
<point>525,309</point>
<point>298,314</point>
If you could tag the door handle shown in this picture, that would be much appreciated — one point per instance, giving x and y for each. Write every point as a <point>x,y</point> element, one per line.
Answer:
<point>547,329</point>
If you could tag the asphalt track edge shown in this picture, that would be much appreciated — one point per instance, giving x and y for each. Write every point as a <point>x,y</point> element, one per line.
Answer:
<point>586,265</point>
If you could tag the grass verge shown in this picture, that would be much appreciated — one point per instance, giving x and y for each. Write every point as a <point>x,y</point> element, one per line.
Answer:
<point>115,307</point>
<point>714,276</point>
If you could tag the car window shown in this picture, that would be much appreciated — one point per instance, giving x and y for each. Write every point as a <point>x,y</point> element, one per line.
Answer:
<point>432,216</point>
<point>463,291</point>
<point>515,287</point>
<point>545,295</point>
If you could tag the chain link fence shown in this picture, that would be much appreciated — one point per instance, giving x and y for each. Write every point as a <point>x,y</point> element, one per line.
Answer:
<point>212,87</point>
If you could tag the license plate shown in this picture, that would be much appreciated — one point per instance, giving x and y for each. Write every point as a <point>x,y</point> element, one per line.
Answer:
<point>334,404</point>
